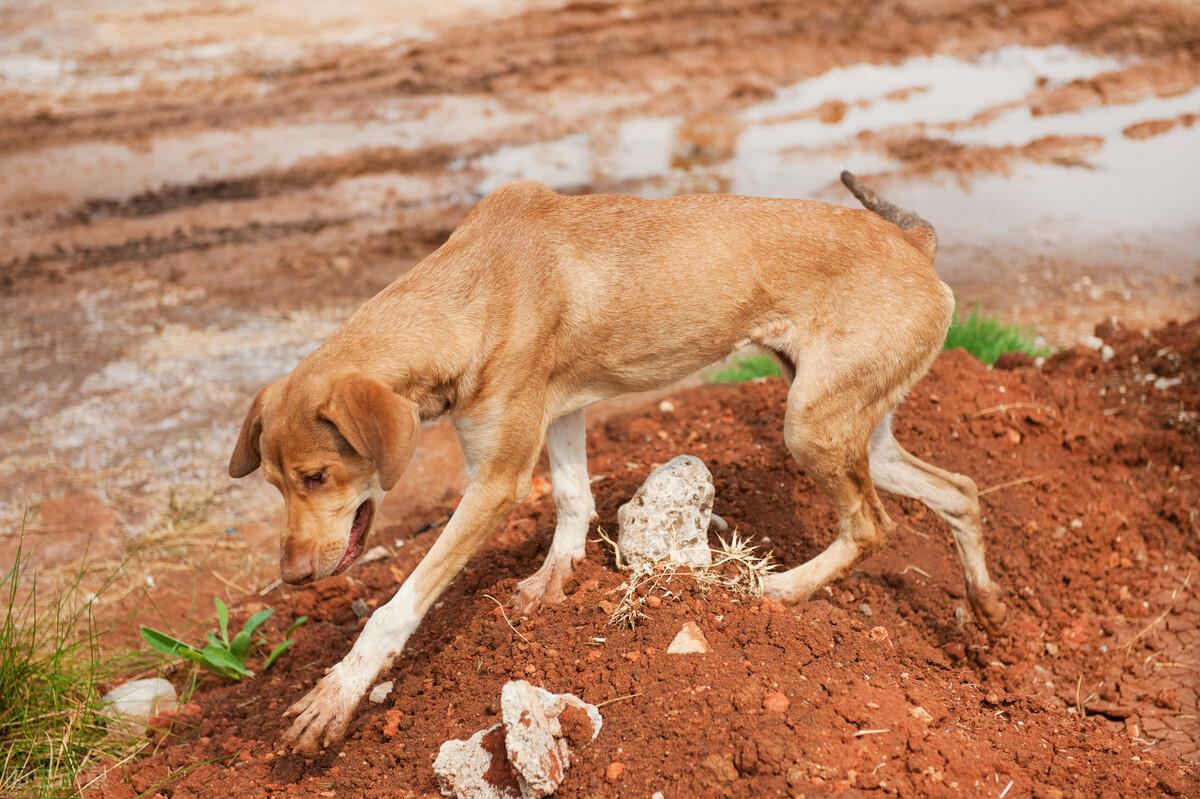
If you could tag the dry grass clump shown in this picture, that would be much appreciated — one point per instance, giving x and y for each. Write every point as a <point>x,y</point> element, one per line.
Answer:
<point>738,567</point>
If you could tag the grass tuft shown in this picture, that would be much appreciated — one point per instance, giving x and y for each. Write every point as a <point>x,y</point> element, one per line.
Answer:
<point>987,338</point>
<point>984,337</point>
<point>53,725</point>
<point>747,367</point>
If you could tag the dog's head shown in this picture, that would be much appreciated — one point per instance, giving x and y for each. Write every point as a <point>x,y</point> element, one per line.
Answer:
<point>332,446</point>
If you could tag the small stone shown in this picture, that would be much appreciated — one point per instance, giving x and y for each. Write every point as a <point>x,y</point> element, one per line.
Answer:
<point>614,771</point>
<point>920,714</point>
<point>375,553</point>
<point>361,609</point>
<point>668,517</point>
<point>138,701</point>
<point>689,640</point>
<point>666,406</point>
<point>654,601</point>
<point>380,692</point>
<point>865,609</point>
<point>878,634</point>
<point>1051,648</point>
<point>721,767</point>
<point>776,702</point>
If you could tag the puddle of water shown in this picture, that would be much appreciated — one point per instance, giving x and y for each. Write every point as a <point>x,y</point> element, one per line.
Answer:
<point>1131,189</point>
<point>76,172</point>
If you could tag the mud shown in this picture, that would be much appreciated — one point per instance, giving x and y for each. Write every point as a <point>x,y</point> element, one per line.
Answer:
<point>888,684</point>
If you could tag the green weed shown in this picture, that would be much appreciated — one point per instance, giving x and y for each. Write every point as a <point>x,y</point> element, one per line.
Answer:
<point>747,367</point>
<point>987,338</point>
<point>219,654</point>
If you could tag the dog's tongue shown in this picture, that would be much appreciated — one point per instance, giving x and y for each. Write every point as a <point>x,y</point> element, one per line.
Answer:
<point>357,530</point>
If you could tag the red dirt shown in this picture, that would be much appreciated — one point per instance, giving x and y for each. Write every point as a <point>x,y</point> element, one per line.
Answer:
<point>1089,514</point>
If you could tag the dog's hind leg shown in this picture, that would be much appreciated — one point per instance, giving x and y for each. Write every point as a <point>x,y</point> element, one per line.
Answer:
<point>566,441</point>
<point>827,430</point>
<point>954,498</point>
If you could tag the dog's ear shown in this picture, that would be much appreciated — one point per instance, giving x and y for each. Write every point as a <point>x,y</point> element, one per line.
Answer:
<point>246,455</point>
<point>377,422</point>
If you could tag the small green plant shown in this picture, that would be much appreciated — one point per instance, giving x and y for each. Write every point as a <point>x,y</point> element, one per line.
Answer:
<point>220,654</point>
<point>54,725</point>
<point>747,367</point>
<point>987,338</point>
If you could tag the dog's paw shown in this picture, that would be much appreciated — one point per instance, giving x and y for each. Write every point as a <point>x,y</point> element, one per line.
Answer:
<point>323,714</point>
<point>989,611</point>
<point>543,587</point>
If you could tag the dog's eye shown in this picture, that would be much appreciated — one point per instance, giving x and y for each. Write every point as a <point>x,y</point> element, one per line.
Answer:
<point>314,480</point>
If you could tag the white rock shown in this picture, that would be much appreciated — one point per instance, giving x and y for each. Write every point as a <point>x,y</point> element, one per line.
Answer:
<point>1163,383</point>
<point>140,700</point>
<point>668,516</point>
<point>689,640</point>
<point>1092,342</point>
<point>464,768</point>
<point>530,739</point>
<point>1106,353</point>
<point>920,714</point>
<point>375,553</point>
<point>666,406</point>
<point>380,692</point>
<point>534,739</point>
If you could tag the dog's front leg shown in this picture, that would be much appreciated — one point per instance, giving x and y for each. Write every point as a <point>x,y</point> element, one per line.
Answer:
<point>323,714</point>
<point>566,440</point>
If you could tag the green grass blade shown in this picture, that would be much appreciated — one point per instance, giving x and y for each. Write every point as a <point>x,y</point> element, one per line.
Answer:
<point>168,645</point>
<point>218,659</point>
<point>987,338</point>
<point>222,619</point>
<point>276,652</point>
<point>256,621</point>
<point>749,367</point>
<point>292,627</point>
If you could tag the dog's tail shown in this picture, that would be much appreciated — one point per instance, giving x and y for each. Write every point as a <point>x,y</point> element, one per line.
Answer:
<point>918,231</point>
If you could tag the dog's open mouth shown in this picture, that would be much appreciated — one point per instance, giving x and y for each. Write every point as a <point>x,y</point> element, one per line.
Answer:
<point>358,534</point>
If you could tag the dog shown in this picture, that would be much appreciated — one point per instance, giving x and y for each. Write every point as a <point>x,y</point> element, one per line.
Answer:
<point>540,304</point>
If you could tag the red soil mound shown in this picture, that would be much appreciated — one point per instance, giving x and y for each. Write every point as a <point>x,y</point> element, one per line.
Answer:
<point>889,684</point>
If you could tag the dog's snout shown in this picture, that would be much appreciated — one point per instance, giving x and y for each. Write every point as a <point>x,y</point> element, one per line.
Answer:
<point>296,571</point>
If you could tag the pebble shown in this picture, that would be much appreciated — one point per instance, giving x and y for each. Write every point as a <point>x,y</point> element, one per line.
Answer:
<point>139,700</point>
<point>614,771</point>
<point>380,692</point>
<point>689,640</point>
<point>776,702</point>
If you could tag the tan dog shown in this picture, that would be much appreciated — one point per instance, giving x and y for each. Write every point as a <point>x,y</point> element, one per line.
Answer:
<point>540,304</point>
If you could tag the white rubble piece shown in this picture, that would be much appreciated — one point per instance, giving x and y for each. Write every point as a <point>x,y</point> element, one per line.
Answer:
<point>138,701</point>
<point>689,640</point>
<point>524,756</point>
<point>668,516</point>
<point>380,692</point>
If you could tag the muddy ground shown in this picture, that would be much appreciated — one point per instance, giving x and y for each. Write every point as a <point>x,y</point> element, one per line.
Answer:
<point>193,195</point>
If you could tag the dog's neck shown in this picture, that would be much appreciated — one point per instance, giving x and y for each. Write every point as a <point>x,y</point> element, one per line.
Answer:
<point>420,344</point>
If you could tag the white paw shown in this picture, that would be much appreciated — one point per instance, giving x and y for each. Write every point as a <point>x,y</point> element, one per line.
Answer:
<point>323,714</point>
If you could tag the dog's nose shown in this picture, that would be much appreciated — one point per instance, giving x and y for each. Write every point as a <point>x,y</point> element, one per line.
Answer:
<point>297,571</point>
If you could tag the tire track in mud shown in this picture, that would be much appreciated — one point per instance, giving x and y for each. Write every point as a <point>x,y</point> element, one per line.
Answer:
<point>151,248</point>
<point>606,46</point>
